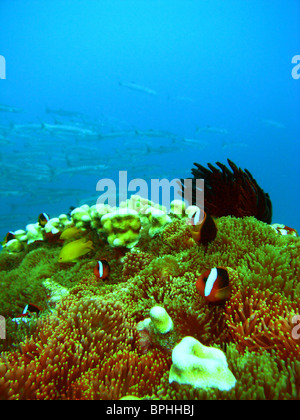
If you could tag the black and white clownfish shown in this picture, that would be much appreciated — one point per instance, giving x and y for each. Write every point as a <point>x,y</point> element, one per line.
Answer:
<point>102,269</point>
<point>203,227</point>
<point>214,284</point>
<point>8,237</point>
<point>43,219</point>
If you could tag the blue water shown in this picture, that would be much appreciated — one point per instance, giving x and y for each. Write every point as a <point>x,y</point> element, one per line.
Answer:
<point>221,64</point>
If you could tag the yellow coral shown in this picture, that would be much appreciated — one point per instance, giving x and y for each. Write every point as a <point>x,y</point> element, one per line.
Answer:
<point>123,227</point>
<point>158,219</point>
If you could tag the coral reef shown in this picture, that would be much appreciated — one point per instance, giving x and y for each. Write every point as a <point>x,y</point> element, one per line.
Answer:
<point>113,338</point>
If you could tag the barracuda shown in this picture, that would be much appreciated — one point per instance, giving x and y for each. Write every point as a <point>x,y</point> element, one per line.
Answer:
<point>7,108</point>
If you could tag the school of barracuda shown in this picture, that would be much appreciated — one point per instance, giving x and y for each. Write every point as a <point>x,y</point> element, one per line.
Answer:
<point>46,161</point>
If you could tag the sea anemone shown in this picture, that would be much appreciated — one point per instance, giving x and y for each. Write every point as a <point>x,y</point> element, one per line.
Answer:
<point>263,320</point>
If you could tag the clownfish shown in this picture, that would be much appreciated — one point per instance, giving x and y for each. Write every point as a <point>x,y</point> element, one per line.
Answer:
<point>284,230</point>
<point>8,237</point>
<point>203,228</point>
<point>26,314</point>
<point>43,219</point>
<point>214,285</point>
<point>102,269</point>
<point>34,308</point>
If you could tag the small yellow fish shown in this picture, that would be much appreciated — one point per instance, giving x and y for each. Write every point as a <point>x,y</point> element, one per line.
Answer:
<point>71,233</point>
<point>74,250</point>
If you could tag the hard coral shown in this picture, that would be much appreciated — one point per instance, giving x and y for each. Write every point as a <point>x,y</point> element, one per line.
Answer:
<point>122,227</point>
<point>200,366</point>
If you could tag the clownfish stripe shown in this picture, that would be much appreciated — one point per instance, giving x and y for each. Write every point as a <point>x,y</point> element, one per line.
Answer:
<point>100,268</point>
<point>198,217</point>
<point>46,217</point>
<point>210,281</point>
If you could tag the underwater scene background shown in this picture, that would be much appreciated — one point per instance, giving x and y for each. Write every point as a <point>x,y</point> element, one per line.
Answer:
<point>98,302</point>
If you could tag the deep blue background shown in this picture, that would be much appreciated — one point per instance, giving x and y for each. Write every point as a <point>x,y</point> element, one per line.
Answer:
<point>221,63</point>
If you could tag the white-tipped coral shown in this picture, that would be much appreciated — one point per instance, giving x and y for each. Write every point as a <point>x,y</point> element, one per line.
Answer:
<point>54,226</point>
<point>159,322</point>
<point>96,212</point>
<point>200,366</point>
<point>17,244</point>
<point>122,227</point>
<point>137,203</point>
<point>81,217</point>
<point>14,246</point>
<point>177,207</point>
<point>34,233</point>
<point>20,235</point>
<point>64,221</point>
<point>158,219</point>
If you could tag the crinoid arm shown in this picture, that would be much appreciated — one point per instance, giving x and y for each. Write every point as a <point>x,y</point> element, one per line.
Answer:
<point>230,192</point>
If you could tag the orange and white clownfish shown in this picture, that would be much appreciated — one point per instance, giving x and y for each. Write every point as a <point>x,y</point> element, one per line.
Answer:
<point>284,230</point>
<point>32,308</point>
<point>102,269</point>
<point>8,237</point>
<point>214,284</point>
<point>203,227</point>
<point>26,314</point>
<point>43,219</point>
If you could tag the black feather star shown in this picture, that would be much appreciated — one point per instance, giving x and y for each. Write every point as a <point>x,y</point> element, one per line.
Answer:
<point>230,192</point>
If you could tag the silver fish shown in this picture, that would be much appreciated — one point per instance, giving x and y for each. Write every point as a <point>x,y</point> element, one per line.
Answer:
<point>8,108</point>
<point>210,129</point>
<point>139,88</point>
<point>67,130</point>
<point>274,124</point>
